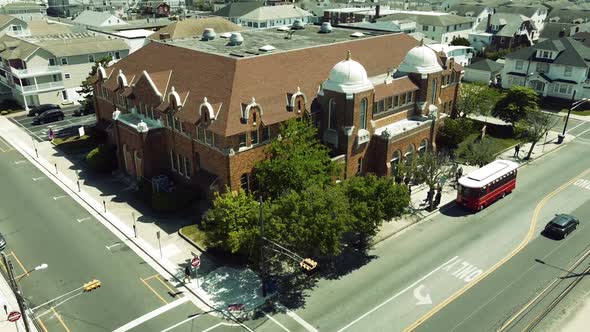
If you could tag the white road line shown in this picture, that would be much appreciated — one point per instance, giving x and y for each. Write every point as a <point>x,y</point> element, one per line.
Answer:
<point>152,314</point>
<point>582,133</point>
<point>18,162</point>
<point>39,178</point>
<point>583,123</point>
<point>83,219</point>
<point>296,318</point>
<point>114,245</point>
<point>277,322</point>
<point>58,197</point>
<point>222,324</point>
<point>182,322</point>
<point>398,294</point>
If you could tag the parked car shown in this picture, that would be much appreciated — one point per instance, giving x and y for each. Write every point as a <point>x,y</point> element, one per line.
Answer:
<point>38,110</point>
<point>49,116</point>
<point>84,111</point>
<point>2,242</point>
<point>561,226</point>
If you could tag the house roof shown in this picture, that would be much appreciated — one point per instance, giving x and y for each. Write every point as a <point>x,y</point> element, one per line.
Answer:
<point>194,27</point>
<point>92,18</point>
<point>14,48</point>
<point>22,6</point>
<point>509,22</point>
<point>525,10</point>
<point>428,19</point>
<point>486,65</point>
<point>281,12</point>
<point>571,52</point>
<point>568,15</point>
<point>552,30</point>
<point>583,37</point>
<point>465,9</point>
<point>237,9</point>
<point>43,27</point>
<point>227,81</point>
<point>397,86</point>
<point>58,45</point>
<point>6,20</point>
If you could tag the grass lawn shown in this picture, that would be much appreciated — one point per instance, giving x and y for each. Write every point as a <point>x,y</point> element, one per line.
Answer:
<point>76,144</point>
<point>582,113</point>
<point>500,144</point>
<point>195,234</point>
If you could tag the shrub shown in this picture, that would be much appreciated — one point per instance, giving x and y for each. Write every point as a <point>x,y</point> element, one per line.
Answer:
<point>4,112</point>
<point>179,198</point>
<point>102,159</point>
<point>454,131</point>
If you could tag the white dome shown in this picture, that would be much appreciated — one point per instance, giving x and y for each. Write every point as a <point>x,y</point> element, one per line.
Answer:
<point>348,76</point>
<point>421,60</point>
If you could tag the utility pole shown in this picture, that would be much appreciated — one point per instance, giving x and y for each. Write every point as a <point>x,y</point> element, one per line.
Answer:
<point>262,262</point>
<point>17,294</point>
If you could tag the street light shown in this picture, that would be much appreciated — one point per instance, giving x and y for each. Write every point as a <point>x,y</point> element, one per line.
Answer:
<point>36,268</point>
<point>575,104</point>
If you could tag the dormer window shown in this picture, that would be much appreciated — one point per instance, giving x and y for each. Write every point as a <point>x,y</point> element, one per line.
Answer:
<point>544,54</point>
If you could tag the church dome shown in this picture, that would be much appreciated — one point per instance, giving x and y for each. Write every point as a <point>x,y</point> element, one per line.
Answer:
<point>420,60</point>
<point>348,76</point>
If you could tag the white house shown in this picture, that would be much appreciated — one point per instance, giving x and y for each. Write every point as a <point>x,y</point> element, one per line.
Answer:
<point>90,18</point>
<point>483,71</point>
<point>274,16</point>
<point>536,13</point>
<point>556,68</point>
<point>479,12</point>
<point>461,54</point>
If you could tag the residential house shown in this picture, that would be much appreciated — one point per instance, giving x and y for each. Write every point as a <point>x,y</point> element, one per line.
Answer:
<point>50,69</point>
<point>235,10</point>
<point>560,30</point>
<point>160,9</point>
<point>92,19</point>
<point>69,8</point>
<point>13,26</point>
<point>133,32</point>
<point>405,26</point>
<point>205,116</point>
<point>484,71</point>
<point>583,37</point>
<point>275,16</point>
<point>555,68</point>
<point>442,27</point>
<point>570,14</point>
<point>536,13</point>
<point>460,54</point>
<point>508,31</point>
<point>194,27</point>
<point>25,10</point>
<point>479,12</point>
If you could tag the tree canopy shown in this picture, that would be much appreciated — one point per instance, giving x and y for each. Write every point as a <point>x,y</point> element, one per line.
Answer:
<point>460,41</point>
<point>477,99</point>
<point>533,127</point>
<point>516,103</point>
<point>86,88</point>
<point>295,161</point>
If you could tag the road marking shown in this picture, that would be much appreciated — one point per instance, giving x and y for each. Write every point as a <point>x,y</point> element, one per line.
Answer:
<point>19,262</point>
<point>466,272</point>
<point>582,140</point>
<point>450,261</point>
<point>113,245</point>
<point>165,284</point>
<point>277,322</point>
<point>18,162</point>
<point>153,290</point>
<point>42,325</point>
<point>182,322</point>
<point>60,320</point>
<point>516,250</point>
<point>39,178</point>
<point>581,124</point>
<point>583,183</point>
<point>422,299</point>
<point>58,197</point>
<point>83,219</point>
<point>582,133</point>
<point>224,324</point>
<point>296,317</point>
<point>151,314</point>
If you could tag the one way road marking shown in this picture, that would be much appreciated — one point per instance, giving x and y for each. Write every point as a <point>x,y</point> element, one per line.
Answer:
<point>58,197</point>
<point>113,245</point>
<point>83,219</point>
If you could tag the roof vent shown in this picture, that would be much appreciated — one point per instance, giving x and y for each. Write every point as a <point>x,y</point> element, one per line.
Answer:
<point>357,34</point>
<point>164,36</point>
<point>209,34</point>
<point>225,35</point>
<point>298,25</point>
<point>326,27</point>
<point>267,48</point>
<point>236,39</point>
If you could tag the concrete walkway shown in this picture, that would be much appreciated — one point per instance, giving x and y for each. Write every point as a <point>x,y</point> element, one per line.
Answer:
<point>8,303</point>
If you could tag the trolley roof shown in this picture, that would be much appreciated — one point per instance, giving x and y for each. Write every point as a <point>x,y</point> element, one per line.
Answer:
<point>488,173</point>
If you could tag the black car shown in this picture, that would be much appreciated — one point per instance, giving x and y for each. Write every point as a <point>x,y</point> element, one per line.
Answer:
<point>49,116</point>
<point>38,110</point>
<point>84,111</point>
<point>561,226</point>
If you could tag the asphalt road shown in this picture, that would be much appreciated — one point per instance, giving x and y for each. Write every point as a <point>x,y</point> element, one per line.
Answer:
<point>41,132</point>
<point>415,272</point>
<point>42,224</point>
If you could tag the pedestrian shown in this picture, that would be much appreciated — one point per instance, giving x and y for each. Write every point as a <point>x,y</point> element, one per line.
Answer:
<point>51,135</point>
<point>187,274</point>
<point>516,150</point>
<point>428,196</point>
<point>437,197</point>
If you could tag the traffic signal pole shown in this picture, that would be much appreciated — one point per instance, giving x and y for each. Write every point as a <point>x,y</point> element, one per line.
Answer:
<point>262,262</point>
<point>17,294</point>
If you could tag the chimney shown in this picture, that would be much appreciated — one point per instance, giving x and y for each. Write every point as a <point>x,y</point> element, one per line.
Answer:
<point>489,22</point>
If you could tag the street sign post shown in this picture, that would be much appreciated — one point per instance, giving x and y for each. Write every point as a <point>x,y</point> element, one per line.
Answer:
<point>14,316</point>
<point>196,262</point>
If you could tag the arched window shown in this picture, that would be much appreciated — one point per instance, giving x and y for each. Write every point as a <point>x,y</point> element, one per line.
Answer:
<point>395,160</point>
<point>423,147</point>
<point>332,114</point>
<point>433,96</point>
<point>360,166</point>
<point>409,153</point>
<point>363,116</point>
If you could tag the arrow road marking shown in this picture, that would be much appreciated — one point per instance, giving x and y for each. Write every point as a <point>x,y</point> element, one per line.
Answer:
<point>422,299</point>
<point>111,246</point>
<point>58,197</point>
<point>18,162</point>
<point>83,219</point>
<point>39,178</point>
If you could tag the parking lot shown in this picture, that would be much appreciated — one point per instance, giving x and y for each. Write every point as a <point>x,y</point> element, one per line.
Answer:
<point>68,124</point>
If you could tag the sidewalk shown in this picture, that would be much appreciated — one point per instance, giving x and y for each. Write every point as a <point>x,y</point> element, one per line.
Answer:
<point>7,298</point>
<point>449,193</point>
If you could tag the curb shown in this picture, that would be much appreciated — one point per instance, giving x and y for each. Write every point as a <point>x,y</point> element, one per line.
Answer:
<point>191,242</point>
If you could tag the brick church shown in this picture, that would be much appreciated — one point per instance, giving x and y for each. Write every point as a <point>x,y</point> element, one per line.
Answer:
<point>201,110</point>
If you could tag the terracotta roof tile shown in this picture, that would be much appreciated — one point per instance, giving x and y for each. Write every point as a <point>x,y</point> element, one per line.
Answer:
<point>396,87</point>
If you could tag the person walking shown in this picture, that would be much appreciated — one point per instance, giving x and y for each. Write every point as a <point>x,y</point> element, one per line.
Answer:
<point>187,274</point>
<point>516,150</point>
<point>437,197</point>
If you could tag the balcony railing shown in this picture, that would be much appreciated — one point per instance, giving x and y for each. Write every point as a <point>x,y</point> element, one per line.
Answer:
<point>40,87</point>
<point>47,70</point>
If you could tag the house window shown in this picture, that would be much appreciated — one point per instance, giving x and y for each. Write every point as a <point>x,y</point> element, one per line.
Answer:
<point>562,88</point>
<point>265,134</point>
<point>433,96</point>
<point>117,55</point>
<point>332,115</point>
<point>173,161</point>
<point>90,58</point>
<point>67,76</point>
<point>394,163</point>
<point>567,71</point>
<point>254,137</point>
<point>363,115</point>
<point>519,65</point>
<point>245,182</point>
<point>243,140</point>
<point>179,163</point>
<point>208,137</point>
<point>425,28</point>
<point>52,62</point>
<point>396,101</point>
<point>187,168</point>
<point>200,134</point>
<point>360,166</point>
<point>64,95</point>
<point>175,123</point>
<point>409,97</point>
<point>64,61</point>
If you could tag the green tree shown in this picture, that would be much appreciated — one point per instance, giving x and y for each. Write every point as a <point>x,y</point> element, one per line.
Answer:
<point>533,128</point>
<point>477,99</point>
<point>296,160</point>
<point>432,168</point>
<point>312,221</point>
<point>479,152</point>
<point>453,132</point>
<point>373,199</point>
<point>86,89</point>
<point>515,104</point>
<point>460,41</point>
<point>232,224</point>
